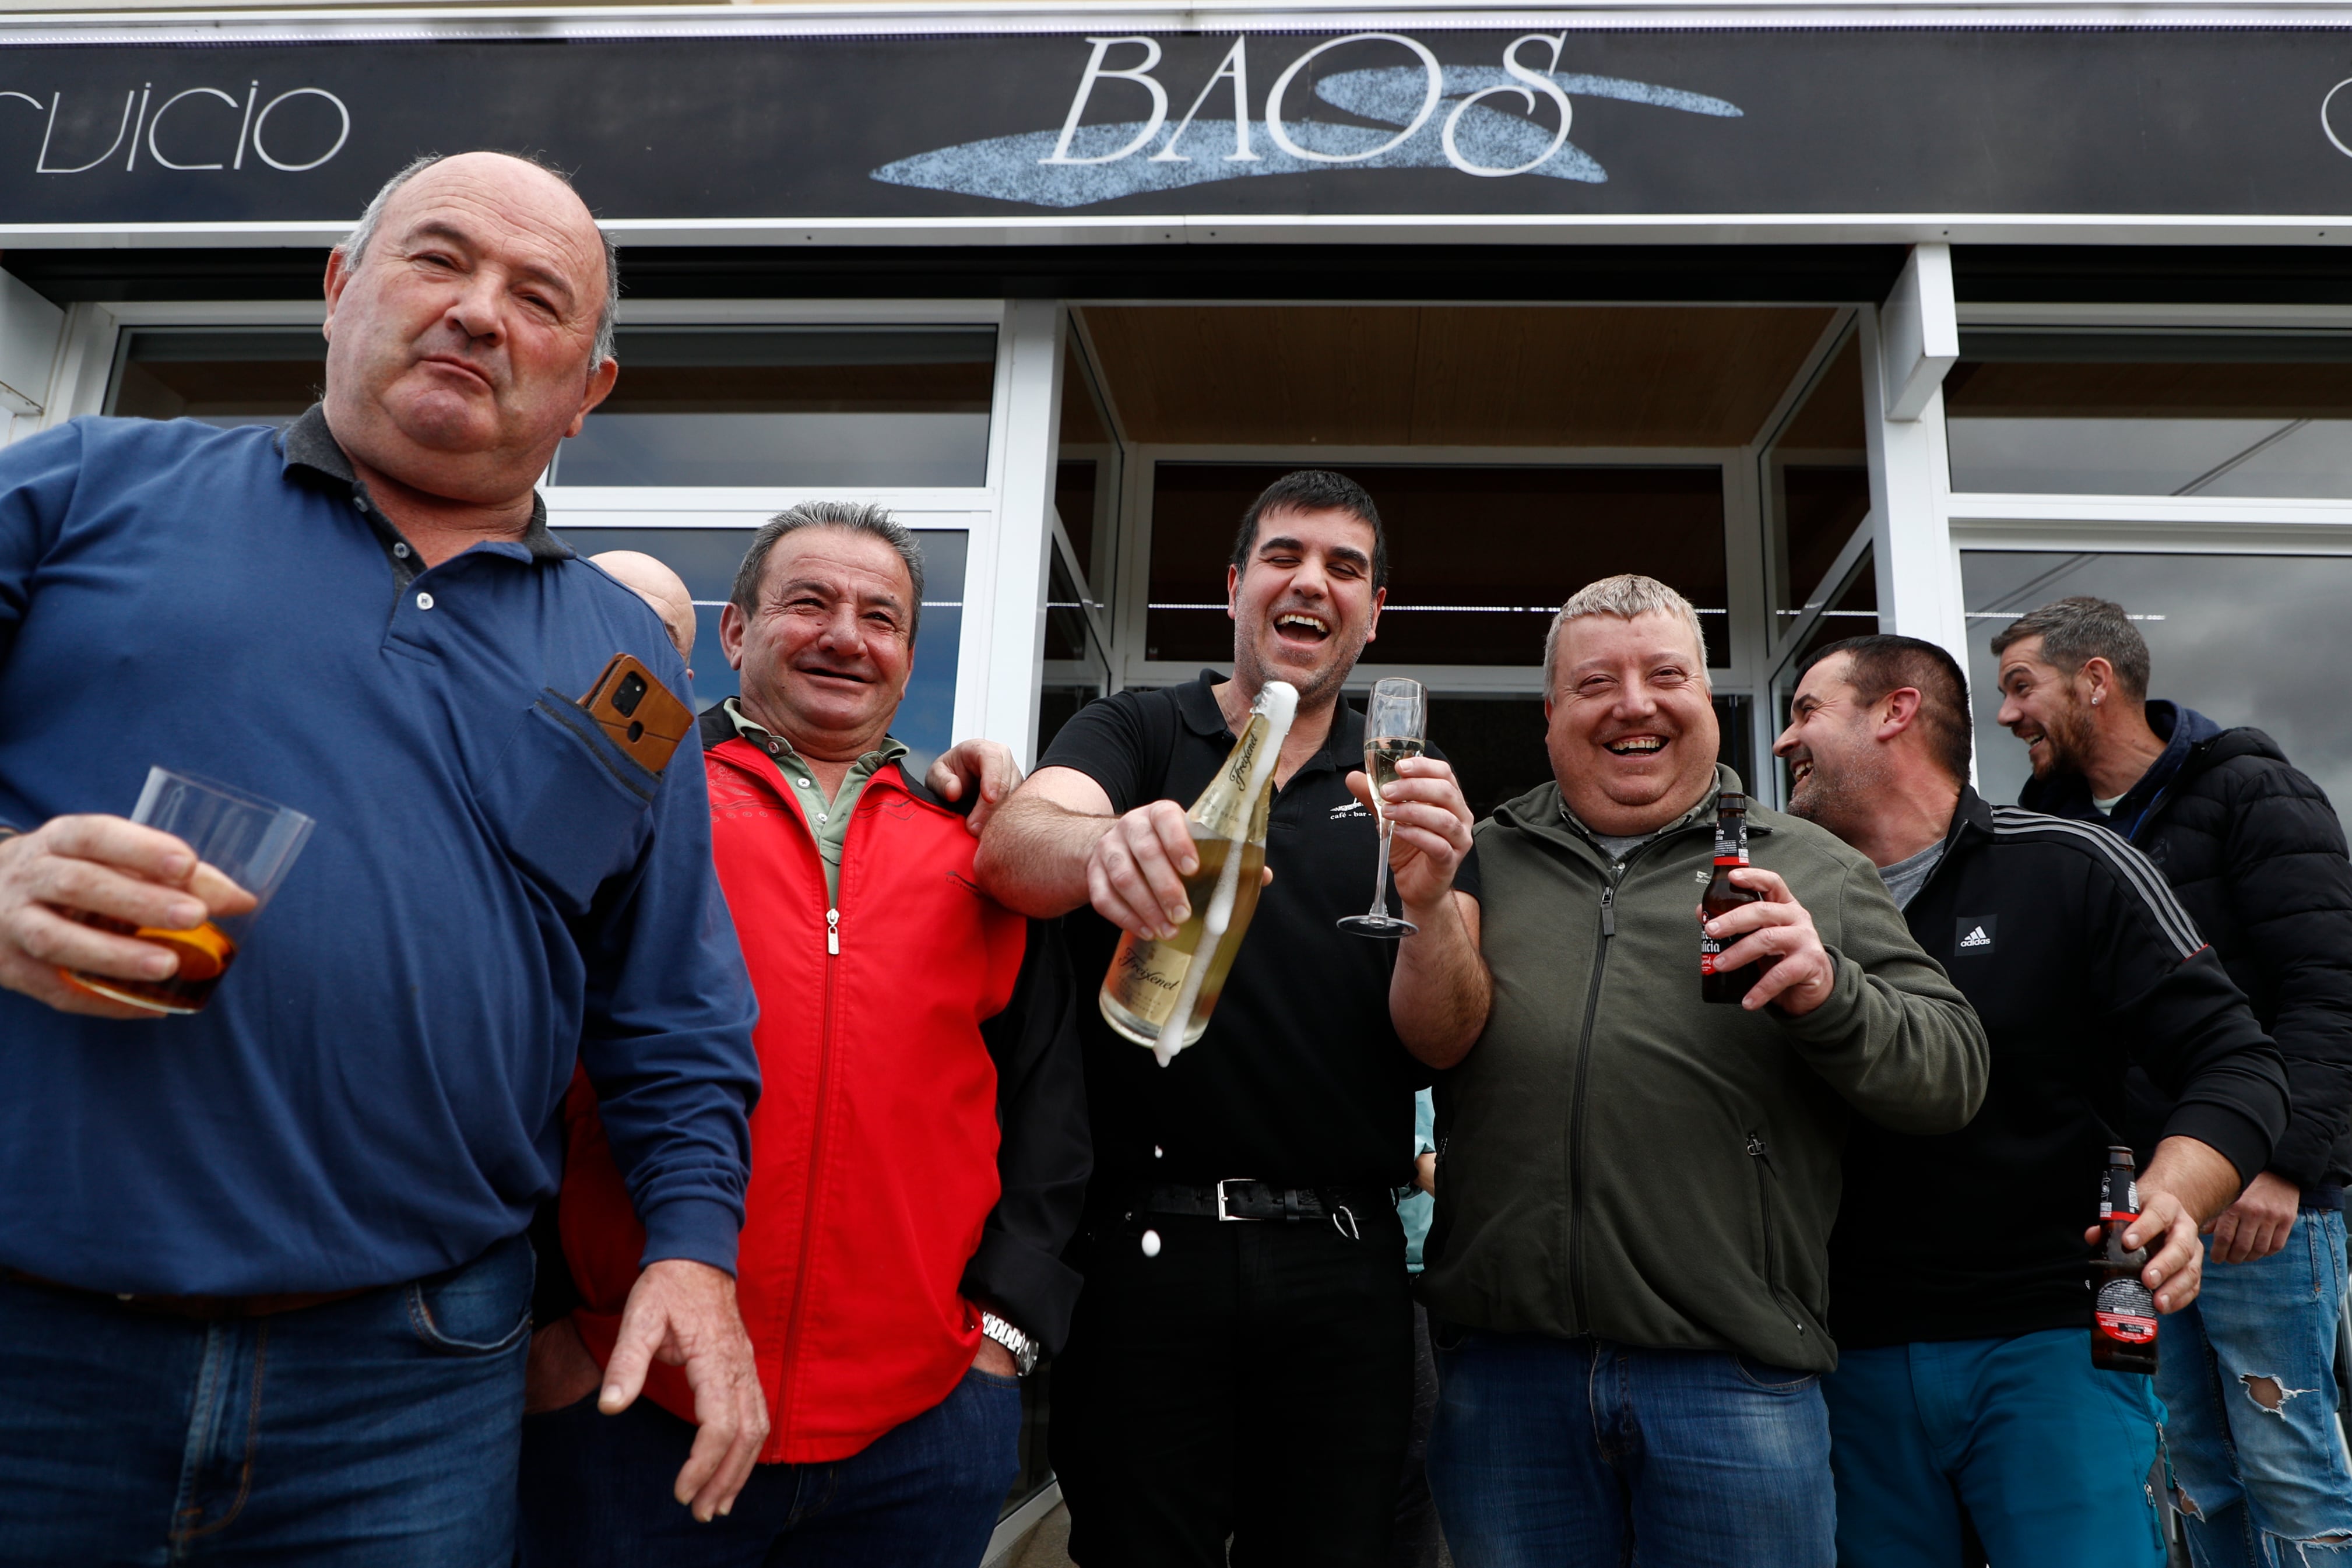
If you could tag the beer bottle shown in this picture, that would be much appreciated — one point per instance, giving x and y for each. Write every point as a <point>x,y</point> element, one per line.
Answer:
<point>1722,896</point>
<point>1153,984</point>
<point>2123,1312</point>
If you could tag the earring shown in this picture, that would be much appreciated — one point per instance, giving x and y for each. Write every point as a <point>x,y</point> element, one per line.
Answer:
<point>2095,699</point>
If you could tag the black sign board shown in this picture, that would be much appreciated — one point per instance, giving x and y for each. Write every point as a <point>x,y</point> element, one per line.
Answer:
<point>1819,124</point>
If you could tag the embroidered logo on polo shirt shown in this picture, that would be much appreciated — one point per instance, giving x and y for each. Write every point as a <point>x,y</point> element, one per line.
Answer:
<point>1353,808</point>
<point>1974,933</point>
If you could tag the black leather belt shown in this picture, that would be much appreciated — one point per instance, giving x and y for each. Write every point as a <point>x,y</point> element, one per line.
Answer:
<point>1239,1198</point>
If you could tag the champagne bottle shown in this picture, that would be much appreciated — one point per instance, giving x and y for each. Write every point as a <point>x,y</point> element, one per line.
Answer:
<point>1160,993</point>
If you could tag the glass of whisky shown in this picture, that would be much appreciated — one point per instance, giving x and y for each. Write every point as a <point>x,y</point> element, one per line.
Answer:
<point>249,840</point>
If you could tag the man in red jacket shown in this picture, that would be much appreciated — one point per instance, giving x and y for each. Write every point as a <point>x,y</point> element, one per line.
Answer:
<point>919,1152</point>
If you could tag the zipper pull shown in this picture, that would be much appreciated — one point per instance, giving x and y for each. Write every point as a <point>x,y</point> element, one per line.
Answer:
<point>833,931</point>
<point>1759,1149</point>
<point>1609,910</point>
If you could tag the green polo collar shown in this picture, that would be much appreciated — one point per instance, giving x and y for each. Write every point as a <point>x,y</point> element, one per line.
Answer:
<point>828,820</point>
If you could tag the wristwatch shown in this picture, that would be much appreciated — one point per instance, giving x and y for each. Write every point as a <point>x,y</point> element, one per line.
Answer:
<point>1020,1346</point>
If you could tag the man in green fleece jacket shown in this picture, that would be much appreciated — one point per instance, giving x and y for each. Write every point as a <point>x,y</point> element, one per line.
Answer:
<point>1627,1274</point>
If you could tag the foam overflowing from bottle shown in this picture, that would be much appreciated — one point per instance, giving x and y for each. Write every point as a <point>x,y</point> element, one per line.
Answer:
<point>1277,703</point>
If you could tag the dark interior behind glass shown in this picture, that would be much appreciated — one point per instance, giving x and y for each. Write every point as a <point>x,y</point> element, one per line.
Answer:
<point>1480,558</point>
<point>875,407</point>
<point>261,377</point>
<point>1496,744</point>
<point>1816,483</point>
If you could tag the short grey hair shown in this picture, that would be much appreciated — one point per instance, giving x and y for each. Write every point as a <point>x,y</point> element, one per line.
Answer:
<point>851,517</point>
<point>354,248</point>
<point>1624,597</point>
<point>2074,631</point>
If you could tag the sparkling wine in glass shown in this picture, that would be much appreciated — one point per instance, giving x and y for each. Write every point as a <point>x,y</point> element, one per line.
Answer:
<point>1396,726</point>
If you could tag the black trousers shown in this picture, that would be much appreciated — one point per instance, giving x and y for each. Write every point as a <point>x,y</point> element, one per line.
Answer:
<point>1254,1380</point>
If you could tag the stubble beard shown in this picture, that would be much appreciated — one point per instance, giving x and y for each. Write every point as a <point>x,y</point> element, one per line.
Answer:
<point>2068,742</point>
<point>1841,802</point>
<point>1252,673</point>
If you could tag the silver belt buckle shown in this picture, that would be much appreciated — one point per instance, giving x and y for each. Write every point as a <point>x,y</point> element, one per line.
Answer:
<point>1222,1217</point>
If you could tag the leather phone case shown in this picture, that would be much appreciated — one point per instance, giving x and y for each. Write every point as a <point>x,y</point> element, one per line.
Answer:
<point>638,712</point>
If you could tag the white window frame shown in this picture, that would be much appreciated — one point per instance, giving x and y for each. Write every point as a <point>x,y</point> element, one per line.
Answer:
<point>2127,524</point>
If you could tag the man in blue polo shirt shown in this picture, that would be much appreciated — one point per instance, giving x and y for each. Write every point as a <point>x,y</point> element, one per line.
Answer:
<point>264,1288</point>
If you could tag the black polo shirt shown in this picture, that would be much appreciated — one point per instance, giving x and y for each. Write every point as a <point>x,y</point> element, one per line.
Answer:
<point>1300,1078</point>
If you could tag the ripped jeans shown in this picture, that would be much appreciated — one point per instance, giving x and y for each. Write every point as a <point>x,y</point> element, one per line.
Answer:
<point>2247,1375</point>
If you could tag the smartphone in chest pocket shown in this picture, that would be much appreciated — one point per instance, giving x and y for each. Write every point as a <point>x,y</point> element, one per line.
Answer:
<point>633,707</point>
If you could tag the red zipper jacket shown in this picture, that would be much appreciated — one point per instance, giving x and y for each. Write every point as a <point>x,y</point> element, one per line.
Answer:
<point>920,1146</point>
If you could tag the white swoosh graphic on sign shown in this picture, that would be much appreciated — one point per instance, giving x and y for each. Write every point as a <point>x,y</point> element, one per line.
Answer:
<point>1013,168</point>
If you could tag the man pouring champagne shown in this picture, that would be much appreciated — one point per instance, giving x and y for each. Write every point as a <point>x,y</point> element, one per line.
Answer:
<point>1294,1110</point>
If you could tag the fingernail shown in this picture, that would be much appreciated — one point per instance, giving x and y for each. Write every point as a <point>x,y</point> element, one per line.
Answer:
<point>185,913</point>
<point>158,965</point>
<point>178,864</point>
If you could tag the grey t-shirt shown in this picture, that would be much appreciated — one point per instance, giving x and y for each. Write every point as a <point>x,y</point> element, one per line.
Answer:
<point>1617,846</point>
<point>1906,877</point>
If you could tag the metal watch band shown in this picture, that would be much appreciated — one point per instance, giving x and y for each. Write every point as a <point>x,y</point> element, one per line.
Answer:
<point>1020,1346</point>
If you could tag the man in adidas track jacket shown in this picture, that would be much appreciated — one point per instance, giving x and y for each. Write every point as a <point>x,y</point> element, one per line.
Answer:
<point>1965,1386</point>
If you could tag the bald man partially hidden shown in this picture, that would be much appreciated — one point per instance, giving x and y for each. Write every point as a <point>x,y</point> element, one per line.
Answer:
<point>663,590</point>
<point>265,1288</point>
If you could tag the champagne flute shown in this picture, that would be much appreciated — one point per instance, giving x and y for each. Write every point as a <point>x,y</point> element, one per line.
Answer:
<point>1396,723</point>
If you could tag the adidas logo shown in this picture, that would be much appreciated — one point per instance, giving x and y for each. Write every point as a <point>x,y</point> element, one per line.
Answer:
<point>1974,934</point>
<point>1976,938</point>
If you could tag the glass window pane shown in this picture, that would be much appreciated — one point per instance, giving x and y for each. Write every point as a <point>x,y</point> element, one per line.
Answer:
<point>2243,639</point>
<point>1853,614</point>
<point>1085,484</point>
<point>266,376</point>
<point>1480,558</point>
<point>1816,484</point>
<point>1496,744</point>
<point>1076,481</point>
<point>1069,632</point>
<point>707,559</point>
<point>860,408</point>
<point>2163,414</point>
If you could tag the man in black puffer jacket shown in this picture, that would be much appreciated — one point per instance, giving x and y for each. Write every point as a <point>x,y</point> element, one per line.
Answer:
<point>2254,853</point>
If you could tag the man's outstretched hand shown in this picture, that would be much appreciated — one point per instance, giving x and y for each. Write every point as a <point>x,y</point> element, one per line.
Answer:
<point>983,765</point>
<point>683,1313</point>
<point>2259,1223</point>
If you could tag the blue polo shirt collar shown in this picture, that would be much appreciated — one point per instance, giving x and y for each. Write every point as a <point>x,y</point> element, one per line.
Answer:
<point>308,445</point>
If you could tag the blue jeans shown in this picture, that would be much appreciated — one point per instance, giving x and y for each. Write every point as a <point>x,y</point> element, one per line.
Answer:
<point>1557,1452</point>
<point>925,1494</point>
<point>2049,1455</point>
<point>376,1432</point>
<point>2247,1374</point>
